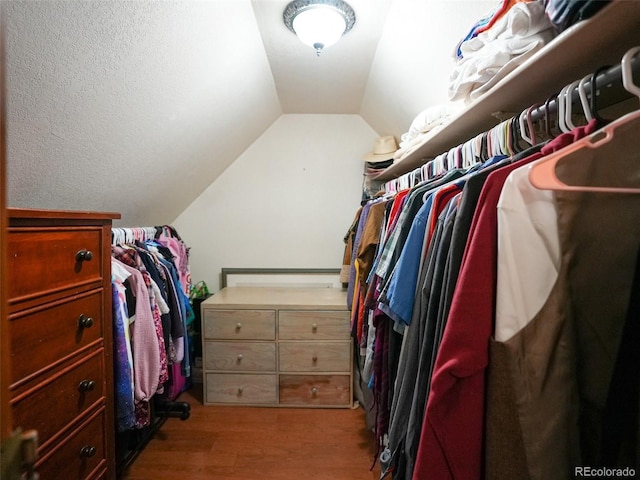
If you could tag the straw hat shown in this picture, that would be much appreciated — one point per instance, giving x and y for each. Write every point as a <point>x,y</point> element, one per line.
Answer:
<point>383,149</point>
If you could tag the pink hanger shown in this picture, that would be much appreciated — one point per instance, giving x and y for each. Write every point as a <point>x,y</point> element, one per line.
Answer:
<point>599,147</point>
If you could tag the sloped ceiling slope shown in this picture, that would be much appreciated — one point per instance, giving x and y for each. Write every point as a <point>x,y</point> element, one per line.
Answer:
<point>133,107</point>
<point>414,60</point>
<point>332,82</point>
<point>138,106</point>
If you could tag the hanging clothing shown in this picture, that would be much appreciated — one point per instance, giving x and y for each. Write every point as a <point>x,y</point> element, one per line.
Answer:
<point>123,359</point>
<point>452,438</point>
<point>575,337</point>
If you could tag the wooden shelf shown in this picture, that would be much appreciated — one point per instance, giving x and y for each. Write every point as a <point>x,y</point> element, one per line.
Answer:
<point>576,52</point>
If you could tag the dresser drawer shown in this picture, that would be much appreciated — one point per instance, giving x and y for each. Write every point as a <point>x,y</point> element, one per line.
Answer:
<point>80,456</point>
<point>315,390</point>
<point>236,356</point>
<point>55,403</point>
<point>44,261</point>
<point>42,336</point>
<point>314,357</point>
<point>312,325</point>
<point>239,324</point>
<point>241,388</point>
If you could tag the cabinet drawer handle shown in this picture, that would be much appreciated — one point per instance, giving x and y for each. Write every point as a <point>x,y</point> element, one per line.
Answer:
<point>84,256</point>
<point>86,386</point>
<point>88,451</point>
<point>85,322</point>
<point>314,358</point>
<point>239,357</point>
<point>238,326</point>
<point>240,390</point>
<point>314,392</point>
<point>314,327</point>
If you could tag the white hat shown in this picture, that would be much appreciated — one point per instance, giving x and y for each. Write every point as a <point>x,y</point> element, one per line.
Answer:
<point>383,149</point>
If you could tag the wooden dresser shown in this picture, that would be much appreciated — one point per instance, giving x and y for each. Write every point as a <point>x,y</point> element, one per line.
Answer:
<point>275,346</point>
<point>59,306</point>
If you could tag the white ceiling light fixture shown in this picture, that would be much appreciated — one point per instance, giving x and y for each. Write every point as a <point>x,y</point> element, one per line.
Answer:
<point>319,23</point>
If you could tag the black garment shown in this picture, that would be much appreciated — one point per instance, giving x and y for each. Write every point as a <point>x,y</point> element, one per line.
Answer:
<point>413,204</point>
<point>620,419</point>
<point>172,325</point>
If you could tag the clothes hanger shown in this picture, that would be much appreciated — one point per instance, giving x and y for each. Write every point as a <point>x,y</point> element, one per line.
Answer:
<point>562,103</point>
<point>505,149</point>
<point>458,157</point>
<point>389,186</point>
<point>412,178</point>
<point>547,118</point>
<point>584,99</point>
<point>469,153</point>
<point>116,236</point>
<point>508,136</point>
<point>594,96</point>
<point>524,133</point>
<point>530,127</point>
<point>568,107</point>
<point>608,153</point>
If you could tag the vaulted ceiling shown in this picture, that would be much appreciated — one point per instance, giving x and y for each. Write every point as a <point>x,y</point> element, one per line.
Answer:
<point>112,104</point>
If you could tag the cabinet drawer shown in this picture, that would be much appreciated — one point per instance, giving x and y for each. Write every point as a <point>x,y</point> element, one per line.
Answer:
<point>314,357</point>
<point>310,325</point>
<point>315,390</point>
<point>43,261</point>
<point>47,334</point>
<point>80,456</point>
<point>241,388</point>
<point>55,403</point>
<point>253,356</point>
<point>240,324</point>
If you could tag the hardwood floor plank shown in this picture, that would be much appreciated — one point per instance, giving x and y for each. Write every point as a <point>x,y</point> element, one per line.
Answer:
<point>253,443</point>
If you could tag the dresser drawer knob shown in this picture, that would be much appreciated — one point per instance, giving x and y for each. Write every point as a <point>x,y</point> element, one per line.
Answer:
<point>238,326</point>
<point>239,357</point>
<point>314,327</point>
<point>314,358</point>
<point>86,386</point>
<point>84,256</point>
<point>87,451</point>
<point>314,392</point>
<point>240,390</point>
<point>85,322</point>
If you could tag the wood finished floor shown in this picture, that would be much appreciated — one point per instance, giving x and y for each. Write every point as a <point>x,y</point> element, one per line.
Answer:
<point>245,443</point>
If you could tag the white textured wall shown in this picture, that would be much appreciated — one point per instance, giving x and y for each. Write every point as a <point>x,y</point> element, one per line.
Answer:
<point>410,71</point>
<point>286,202</point>
<point>130,106</point>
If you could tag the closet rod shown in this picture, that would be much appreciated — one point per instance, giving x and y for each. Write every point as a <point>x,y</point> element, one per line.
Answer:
<point>130,234</point>
<point>609,76</point>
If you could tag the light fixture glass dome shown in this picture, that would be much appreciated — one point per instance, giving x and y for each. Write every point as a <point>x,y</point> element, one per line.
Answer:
<point>319,23</point>
<point>319,27</point>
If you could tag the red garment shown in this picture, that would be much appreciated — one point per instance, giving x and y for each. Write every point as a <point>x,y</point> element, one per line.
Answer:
<point>501,12</point>
<point>360,319</point>
<point>451,441</point>
<point>440,200</point>
<point>396,208</point>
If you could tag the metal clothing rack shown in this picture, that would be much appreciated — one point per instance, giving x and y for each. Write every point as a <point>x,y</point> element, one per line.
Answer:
<point>130,443</point>
<point>132,234</point>
<point>601,89</point>
<point>608,87</point>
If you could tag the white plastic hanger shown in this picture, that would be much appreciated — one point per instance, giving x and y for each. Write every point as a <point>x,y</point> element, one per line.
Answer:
<point>568,113</point>
<point>600,147</point>
<point>523,129</point>
<point>563,103</point>
<point>584,99</point>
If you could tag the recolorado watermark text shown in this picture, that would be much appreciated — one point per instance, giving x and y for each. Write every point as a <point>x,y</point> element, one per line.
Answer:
<point>603,472</point>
